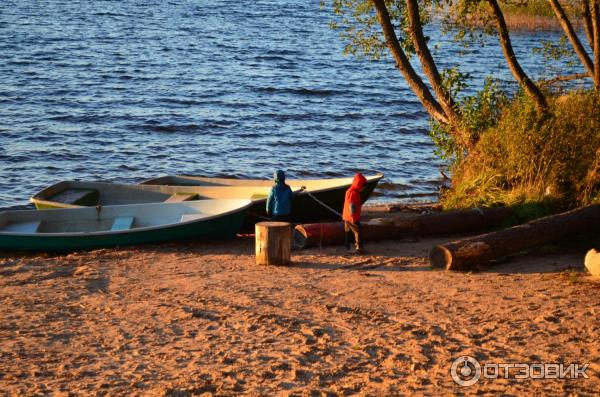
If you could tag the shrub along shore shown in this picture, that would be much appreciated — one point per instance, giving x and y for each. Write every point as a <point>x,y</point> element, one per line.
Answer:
<point>541,162</point>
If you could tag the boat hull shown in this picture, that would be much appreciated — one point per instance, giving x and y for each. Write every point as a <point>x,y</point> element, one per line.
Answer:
<point>304,207</point>
<point>218,227</point>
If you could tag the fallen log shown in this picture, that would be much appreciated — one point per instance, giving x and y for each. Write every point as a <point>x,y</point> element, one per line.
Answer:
<point>592,262</point>
<point>467,254</point>
<point>434,224</point>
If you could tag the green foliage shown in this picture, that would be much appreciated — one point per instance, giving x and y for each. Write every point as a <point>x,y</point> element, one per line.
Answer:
<point>454,81</point>
<point>527,158</point>
<point>442,137</point>
<point>482,110</point>
<point>358,26</point>
<point>479,112</point>
<point>467,20</point>
<point>562,51</point>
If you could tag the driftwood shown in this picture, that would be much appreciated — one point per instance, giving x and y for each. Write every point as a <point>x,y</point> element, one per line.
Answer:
<point>410,226</point>
<point>469,253</point>
<point>592,262</point>
<point>273,243</point>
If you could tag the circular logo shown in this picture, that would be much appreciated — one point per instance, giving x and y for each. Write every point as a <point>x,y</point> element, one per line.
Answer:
<point>465,371</point>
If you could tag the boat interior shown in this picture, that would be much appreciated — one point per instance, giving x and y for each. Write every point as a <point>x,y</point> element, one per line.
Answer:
<point>112,218</point>
<point>74,193</point>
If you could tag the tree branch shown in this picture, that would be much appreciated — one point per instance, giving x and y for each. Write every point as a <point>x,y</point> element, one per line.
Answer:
<point>587,21</point>
<point>572,36</point>
<point>568,77</point>
<point>403,64</point>
<point>428,64</point>
<point>596,28</point>
<point>519,74</point>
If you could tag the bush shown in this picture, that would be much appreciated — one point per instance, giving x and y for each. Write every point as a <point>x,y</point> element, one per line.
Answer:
<point>526,158</point>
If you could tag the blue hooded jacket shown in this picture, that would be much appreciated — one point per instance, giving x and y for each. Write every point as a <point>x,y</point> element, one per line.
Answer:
<point>280,197</point>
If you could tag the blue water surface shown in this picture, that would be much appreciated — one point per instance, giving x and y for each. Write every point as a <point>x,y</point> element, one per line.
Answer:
<point>127,90</point>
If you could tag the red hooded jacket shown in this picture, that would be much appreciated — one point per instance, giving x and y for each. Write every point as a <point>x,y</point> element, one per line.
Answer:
<point>353,202</point>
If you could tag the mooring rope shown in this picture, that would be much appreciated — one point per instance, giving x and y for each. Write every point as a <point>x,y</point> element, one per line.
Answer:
<point>303,189</point>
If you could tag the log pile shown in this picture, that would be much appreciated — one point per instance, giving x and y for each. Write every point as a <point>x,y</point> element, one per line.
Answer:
<point>409,226</point>
<point>472,252</point>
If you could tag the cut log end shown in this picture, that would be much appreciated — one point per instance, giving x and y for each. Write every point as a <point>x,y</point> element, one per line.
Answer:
<point>440,257</point>
<point>592,262</point>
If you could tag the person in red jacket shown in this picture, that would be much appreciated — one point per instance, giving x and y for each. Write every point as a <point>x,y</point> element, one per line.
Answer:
<point>351,214</point>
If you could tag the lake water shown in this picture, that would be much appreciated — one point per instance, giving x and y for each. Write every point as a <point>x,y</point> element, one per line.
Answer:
<point>127,90</point>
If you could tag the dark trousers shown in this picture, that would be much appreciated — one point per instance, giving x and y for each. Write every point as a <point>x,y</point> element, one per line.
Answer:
<point>353,229</point>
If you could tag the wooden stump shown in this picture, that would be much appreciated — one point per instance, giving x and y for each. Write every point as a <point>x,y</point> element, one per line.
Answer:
<point>592,262</point>
<point>273,243</point>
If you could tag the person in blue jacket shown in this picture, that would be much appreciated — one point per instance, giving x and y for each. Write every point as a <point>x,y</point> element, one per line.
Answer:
<point>279,202</point>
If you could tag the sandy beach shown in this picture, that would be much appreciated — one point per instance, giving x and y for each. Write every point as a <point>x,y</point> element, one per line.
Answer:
<point>201,318</point>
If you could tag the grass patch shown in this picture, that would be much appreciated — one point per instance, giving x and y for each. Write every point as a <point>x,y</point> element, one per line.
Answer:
<point>537,14</point>
<point>529,8</point>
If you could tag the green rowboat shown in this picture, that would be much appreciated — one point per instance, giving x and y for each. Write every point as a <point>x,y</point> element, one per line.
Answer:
<point>73,229</point>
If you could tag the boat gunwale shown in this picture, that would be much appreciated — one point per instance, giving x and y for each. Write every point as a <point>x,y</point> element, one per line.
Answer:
<point>40,198</point>
<point>126,231</point>
<point>371,178</point>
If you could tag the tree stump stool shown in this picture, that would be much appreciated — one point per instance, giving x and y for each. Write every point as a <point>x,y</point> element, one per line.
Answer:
<point>273,243</point>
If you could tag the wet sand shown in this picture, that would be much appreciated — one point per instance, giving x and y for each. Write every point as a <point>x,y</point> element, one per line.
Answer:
<point>202,318</point>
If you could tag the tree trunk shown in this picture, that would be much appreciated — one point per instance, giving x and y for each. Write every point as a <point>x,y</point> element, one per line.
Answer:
<point>273,243</point>
<point>587,21</point>
<point>592,262</point>
<point>519,74</point>
<point>572,36</point>
<point>467,254</point>
<point>402,63</point>
<point>596,30</point>
<point>428,64</point>
<point>436,224</point>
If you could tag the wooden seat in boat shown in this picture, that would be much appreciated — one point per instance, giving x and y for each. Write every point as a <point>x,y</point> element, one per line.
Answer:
<point>77,196</point>
<point>122,223</point>
<point>23,227</point>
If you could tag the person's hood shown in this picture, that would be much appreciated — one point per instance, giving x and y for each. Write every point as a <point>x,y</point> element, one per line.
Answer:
<point>359,181</point>
<point>279,176</point>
